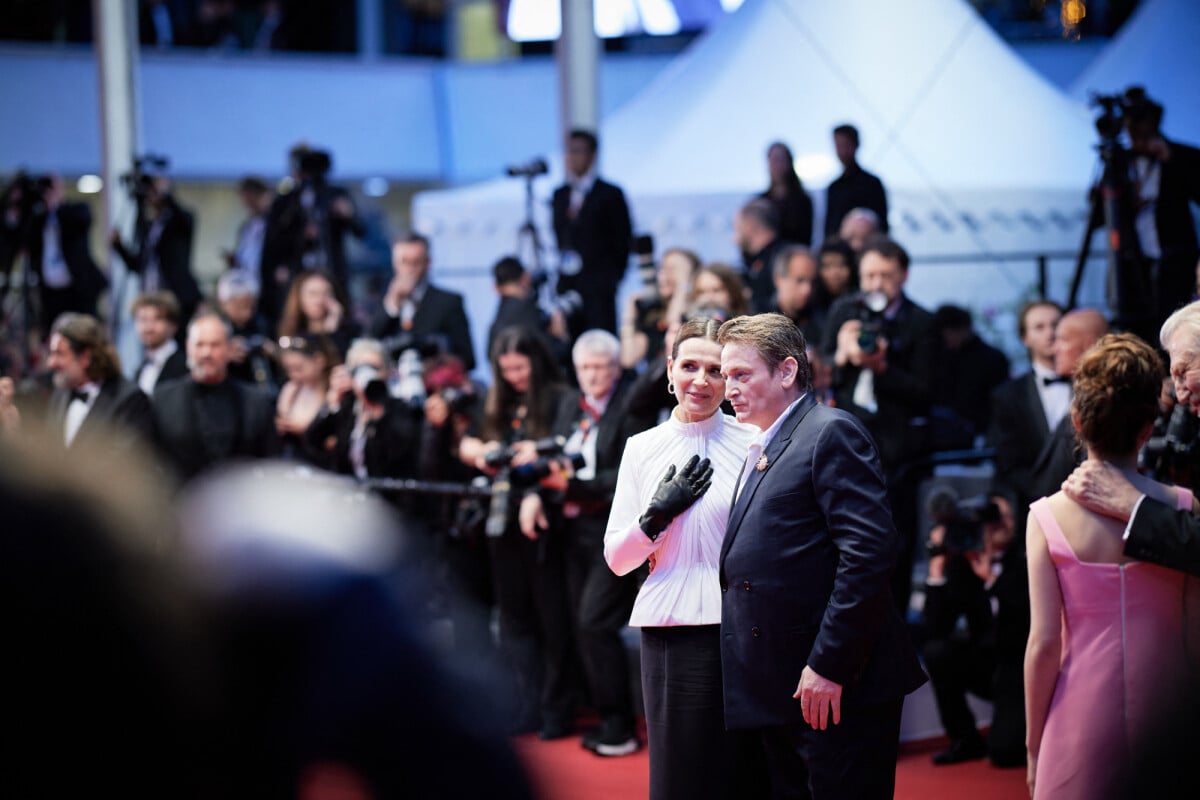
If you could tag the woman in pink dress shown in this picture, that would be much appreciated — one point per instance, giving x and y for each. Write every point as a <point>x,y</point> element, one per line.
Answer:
<point>1107,650</point>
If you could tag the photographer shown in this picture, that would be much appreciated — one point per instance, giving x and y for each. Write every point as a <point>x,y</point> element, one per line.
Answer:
<point>882,345</point>
<point>306,229</point>
<point>976,573</point>
<point>362,430</point>
<point>648,312</point>
<point>518,307</point>
<point>250,347</point>
<point>528,571</point>
<point>161,251</point>
<point>595,426</point>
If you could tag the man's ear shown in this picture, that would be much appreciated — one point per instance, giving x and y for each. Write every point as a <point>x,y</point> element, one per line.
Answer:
<point>788,370</point>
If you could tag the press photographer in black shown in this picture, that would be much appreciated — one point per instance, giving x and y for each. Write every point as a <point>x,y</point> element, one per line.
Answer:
<point>306,229</point>
<point>161,251</point>
<point>528,570</point>
<point>596,426</point>
<point>976,574</point>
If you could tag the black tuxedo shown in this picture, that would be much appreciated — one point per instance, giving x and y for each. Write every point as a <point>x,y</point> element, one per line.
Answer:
<point>173,251</point>
<point>121,412</point>
<point>1164,535</point>
<point>440,313</point>
<point>600,233</point>
<point>201,426</point>
<point>1018,431</point>
<point>87,281</point>
<point>174,367</point>
<point>1058,458</point>
<point>856,188</point>
<point>805,572</point>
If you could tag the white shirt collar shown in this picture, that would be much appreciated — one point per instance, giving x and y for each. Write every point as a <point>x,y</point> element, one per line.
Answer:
<point>160,354</point>
<point>766,436</point>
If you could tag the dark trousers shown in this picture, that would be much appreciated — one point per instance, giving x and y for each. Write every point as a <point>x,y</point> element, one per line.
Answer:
<point>902,497</point>
<point>855,758</point>
<point>601,603</point>
<point>535,629</point>
<point>956,668</point>
<point>691,755</point>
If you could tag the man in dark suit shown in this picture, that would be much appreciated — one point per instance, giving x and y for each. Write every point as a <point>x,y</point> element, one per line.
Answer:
<point>1076,333</point>
<point>156,318</point>
<point>208,418</point>
<point>756,231</point>
<point>68,277</point>
<point>596,424</point>
<point>91,398</point>
<point>1027,409</point>
<point>593,229</point>
<point>882,345</point>
<point>518,307</point>
<point>1157,532</point>
<point>816,660</point>
<point>795,277</point>
<point>415,308</point>
<point>855,188</point>
<point>162,248</point>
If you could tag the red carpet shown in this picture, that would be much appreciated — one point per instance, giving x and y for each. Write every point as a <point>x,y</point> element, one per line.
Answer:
<point>563,770</point>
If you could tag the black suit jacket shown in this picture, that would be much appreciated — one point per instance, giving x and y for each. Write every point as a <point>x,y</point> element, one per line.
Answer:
<point>74,222</point>
<point>1018,431</point>
<point>440,313</point>
<point>1164,535</point>
<point>806,569</point>
<point>174,367</point>
<point>600,233</point>
<point>1059,456</point>
<point>392,441</point>
<point>181,440</point>
<point>174,252</point>
<point>121,413</point>
<point>1179,187</point>
<point>856,188</point>
<point>903,392</point>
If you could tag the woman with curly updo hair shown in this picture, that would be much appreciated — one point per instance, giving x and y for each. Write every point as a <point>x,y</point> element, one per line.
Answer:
<point>1108,635</point>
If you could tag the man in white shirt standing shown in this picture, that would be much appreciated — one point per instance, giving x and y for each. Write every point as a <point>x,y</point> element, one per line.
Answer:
<point>156,318</point>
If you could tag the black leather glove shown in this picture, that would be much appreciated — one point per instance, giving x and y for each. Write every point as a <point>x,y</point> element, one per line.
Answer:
<point>675,494</point>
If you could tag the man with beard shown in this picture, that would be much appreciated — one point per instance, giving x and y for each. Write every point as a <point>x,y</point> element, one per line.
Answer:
<point>91,396</point>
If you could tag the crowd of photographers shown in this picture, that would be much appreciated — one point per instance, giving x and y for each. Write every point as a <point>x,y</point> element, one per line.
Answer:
<point>510,484</point>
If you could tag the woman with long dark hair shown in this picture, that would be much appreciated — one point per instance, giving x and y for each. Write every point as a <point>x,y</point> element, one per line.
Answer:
<point>786,193</point>
<point>317,305</point>
<point>528,571</point>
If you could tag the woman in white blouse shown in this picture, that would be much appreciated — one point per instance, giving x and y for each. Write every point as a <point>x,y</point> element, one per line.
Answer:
<point>671,508</point>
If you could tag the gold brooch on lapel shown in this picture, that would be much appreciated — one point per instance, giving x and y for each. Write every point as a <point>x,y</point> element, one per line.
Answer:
<point>762,463</point>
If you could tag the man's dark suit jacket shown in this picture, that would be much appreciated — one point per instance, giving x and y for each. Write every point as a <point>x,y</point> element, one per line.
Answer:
<point>1018,431</point>
<point>121,412</point>
<point>181,440</point>
<point>174,367</point>
<point>1164,535</point>
<point>759,275</point>
<point>391,441</point>
<point>616,425</point>
<point>1059,456</point>
<point>74,222</point>
<point>856,188</point>
<point>1179,186</point>
<point>174,251</point>
<point>440,313</point>
<point>903,392</point>
<point>600,233</point>
<point>806,570</point>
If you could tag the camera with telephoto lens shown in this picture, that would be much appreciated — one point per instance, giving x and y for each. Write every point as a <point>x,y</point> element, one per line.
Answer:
<point>371,383</point>
<point>871,306</point>
<point>1172,454</point>
<point>530,169</point>
<point>649,300</point>
<point>550,451</point>
<point>140,180</point>
<point>963,520</point>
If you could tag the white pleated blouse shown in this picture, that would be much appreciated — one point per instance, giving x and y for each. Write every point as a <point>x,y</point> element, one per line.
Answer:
<point>683,586</point>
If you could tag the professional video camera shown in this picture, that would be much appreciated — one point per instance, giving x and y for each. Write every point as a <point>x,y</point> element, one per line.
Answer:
<point>962,519</point>
<point>871,306</point>
<point>140,180</point>
<point>550,451</point>
<point>530,169</point>
<point>313,164</point>
<point>23,198</point>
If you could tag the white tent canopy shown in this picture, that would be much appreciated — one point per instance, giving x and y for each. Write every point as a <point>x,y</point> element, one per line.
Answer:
<point>981,156</point>
<point>1158,48</point>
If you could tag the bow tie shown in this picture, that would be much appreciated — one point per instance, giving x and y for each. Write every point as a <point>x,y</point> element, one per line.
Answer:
<point>81,395</point>
<point>1055,379</point>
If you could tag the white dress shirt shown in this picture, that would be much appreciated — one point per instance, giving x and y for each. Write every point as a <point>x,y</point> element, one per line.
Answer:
<point>77,411</point>
<point>1056,397</point>
<point>152,367</point>
<point>683,587</point>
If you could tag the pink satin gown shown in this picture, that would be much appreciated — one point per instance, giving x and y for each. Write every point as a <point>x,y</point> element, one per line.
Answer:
<point>1123,652</point>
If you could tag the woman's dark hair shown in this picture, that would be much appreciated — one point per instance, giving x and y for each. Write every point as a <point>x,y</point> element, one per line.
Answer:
<point>1115,393</point>
<point>291,319</point>
<point>790,179</point>
<point>502,400</point>
<point>731,281</point>
<point>700,327</point>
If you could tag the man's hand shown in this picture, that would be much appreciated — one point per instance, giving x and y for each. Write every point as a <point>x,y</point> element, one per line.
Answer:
<point>820,699</point>
<point>532,516</point>
<point>340,383</point>
<point>876,361</point>
<point>848,351</point>
<point>399,289</point>
<point>1101,488</point>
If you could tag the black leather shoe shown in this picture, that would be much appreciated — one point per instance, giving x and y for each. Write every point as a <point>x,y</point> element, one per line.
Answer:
<point>961,750</point>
